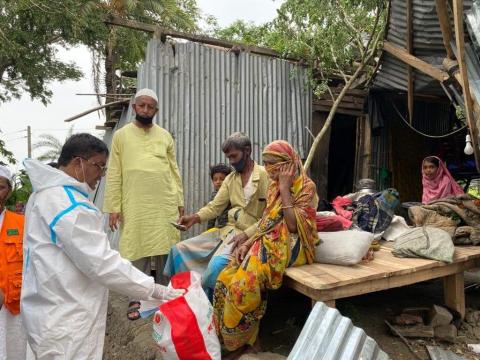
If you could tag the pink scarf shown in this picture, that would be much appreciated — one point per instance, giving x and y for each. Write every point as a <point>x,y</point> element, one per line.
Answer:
<point>442,185</point>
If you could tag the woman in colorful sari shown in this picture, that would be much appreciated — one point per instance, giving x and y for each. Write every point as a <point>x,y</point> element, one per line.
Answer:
<point>286,236</point>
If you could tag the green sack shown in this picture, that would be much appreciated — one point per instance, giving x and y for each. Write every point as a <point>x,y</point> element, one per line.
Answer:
<point>425,242</point>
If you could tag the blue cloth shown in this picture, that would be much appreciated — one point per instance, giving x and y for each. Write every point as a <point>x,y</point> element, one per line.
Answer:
<point>214,268</point>
<point>206,254</point>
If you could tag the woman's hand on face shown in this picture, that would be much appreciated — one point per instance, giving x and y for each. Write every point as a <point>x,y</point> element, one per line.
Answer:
<point>286,175</point>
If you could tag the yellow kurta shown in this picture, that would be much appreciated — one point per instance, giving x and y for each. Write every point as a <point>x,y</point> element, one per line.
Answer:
<point>144,185</point>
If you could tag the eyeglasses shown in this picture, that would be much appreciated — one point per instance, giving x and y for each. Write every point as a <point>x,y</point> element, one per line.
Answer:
<point>103,169</point>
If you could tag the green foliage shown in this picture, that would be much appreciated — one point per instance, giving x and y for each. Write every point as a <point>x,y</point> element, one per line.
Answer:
<point>6,156</point>
<point>245,33</point>
<point>329,36</point>
<point>130,44</point>
<point>22,188</point>
<point>32,32</point>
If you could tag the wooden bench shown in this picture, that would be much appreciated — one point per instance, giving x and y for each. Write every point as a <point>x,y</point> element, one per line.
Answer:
<point>324,282</point>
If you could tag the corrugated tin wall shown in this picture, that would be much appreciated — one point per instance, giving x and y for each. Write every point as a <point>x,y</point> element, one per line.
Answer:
<point>207,93</point>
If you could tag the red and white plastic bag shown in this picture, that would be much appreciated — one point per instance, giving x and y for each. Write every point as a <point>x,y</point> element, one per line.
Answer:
<point>183,328</point>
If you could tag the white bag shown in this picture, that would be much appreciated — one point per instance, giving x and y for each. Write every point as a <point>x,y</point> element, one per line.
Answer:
<point>397,227</point>
<point>343,247</point>
<point>183,328</point>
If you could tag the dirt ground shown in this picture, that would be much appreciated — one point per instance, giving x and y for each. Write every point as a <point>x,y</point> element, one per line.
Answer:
<point>287,312</point>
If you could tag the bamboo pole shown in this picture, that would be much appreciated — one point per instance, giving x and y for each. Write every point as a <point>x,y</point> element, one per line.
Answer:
<point>96,109</point>
<point>460,41</point>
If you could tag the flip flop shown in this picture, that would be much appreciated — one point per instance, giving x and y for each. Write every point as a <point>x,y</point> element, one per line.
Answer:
<point>133,312</point>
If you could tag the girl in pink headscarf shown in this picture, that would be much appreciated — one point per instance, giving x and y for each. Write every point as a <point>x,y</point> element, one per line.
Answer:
<point>437,181</point>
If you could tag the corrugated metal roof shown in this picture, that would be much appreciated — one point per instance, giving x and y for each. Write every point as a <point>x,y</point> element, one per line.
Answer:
<point>427,45</point>
<point>327,335</point>
<point>207,93</point>
<point>437,353</point>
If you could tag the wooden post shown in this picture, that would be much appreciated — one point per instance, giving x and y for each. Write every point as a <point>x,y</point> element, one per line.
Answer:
<point>363,148</point>
<point>415,62</point>
<point>454,293</point>
<point>367,149</point>
<point>444,20</point>
<point>460,41</point>
<point>409,41</point>
<point>451,66</point>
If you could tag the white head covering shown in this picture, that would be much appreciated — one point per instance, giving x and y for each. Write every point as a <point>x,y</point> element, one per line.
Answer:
<point>147,92</point>
<point>4,172</point>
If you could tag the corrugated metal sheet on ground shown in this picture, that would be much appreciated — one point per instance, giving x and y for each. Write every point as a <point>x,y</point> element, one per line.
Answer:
<point>427,45</point>
<point>207,93</point>
<point>437,353</point>
<point>327,335</point>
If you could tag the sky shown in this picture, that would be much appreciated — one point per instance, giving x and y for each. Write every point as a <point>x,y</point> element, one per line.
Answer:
<point>16,115</point>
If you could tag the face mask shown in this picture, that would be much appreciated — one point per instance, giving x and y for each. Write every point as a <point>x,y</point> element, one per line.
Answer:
<point>143,119</point>
<point>240,164</point>
<point>84,182</point>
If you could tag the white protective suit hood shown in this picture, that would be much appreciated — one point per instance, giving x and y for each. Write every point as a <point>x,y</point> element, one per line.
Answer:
<point>44,176</point>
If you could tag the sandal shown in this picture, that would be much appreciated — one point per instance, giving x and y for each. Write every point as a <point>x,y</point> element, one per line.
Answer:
<point>133,312</point>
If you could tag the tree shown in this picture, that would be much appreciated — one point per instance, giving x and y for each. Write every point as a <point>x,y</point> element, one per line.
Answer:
<point>334,38</point>
<point>52,145</point>
<point>6,156</point>
<point>32,31</point>
<point>22,188</point>
<point>123,48</point>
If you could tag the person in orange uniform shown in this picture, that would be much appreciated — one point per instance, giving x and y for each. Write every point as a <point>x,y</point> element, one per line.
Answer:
<point>13,340</point>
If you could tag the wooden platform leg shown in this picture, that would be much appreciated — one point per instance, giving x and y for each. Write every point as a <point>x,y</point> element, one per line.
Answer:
<point>329,303</point>
<point>454,293</point>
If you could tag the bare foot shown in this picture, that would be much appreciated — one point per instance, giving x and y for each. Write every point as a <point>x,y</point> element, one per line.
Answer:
<point>246,349</point>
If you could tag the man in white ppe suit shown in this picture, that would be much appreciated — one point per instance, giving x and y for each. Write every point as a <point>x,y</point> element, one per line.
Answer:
<point>68,263</point>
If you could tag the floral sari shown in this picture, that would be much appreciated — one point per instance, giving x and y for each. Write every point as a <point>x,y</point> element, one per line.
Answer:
<point>240,296</point>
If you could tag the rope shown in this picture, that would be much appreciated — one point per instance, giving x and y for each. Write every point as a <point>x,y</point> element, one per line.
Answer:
<point>423,134</point>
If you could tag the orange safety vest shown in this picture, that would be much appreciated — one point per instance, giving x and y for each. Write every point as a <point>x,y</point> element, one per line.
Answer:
<point>11,260</point>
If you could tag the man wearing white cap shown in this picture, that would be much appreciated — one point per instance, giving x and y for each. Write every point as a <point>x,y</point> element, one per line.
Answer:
<point>13,340</point>
<point>144,192</point>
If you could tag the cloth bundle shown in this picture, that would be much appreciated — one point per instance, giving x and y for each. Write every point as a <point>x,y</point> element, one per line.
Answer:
<point>374,213</point>
<point>459,216</point>
<point>426,242</point>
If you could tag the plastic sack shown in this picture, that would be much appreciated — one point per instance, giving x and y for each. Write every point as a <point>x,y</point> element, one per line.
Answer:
<point>343,247</point>
<point>397,227</point>
<point>183,328</point>
<point>426,242</point>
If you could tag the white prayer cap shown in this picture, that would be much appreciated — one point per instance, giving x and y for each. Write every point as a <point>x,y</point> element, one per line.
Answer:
<point>4,172</point>
<point>147,92</point>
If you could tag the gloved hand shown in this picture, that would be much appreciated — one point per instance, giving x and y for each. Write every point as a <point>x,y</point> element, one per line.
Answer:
<point>165,293</point>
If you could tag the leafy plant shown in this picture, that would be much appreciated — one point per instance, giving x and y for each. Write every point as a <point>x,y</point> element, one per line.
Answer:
<point>32,32</point>
<point>22,188</point>
<point>6,156</point>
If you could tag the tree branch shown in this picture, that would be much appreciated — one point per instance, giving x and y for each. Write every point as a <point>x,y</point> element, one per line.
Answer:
<point>355,31</point>
<point>337,102</point>
<point>336,64</point>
